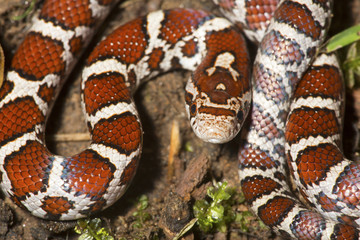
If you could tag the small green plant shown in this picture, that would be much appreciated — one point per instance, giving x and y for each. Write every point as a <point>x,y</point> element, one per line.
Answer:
<point>243,218</point>
<point>351,62</point>
<point>342,39</point>
<point>189,147</point>
<point>351,66</point>
<point>140,214</point>
<point>27,11</point>
<point>91,229</point>
<point>216,214</point>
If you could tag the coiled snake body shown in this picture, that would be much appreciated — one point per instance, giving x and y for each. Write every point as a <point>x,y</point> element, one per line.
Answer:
<point>218,99</point>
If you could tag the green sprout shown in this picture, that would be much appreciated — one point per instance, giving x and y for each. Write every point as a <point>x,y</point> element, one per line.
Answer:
<point>27,11</point>
<point>218,213</point>
<point>351,65</point>
<point>344,38</point>
<point>243,218</point>
<point>189,147</point>
<point>91,229</point>
<point>140,214</point>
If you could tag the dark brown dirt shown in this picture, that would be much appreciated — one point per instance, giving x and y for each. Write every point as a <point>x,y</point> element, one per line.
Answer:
<point>161,103</point>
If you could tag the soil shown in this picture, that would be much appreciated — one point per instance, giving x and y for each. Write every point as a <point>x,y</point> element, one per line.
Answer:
<point>175,169</point>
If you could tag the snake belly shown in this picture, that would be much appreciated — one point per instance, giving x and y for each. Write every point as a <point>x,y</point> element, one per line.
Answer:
<point>64,188</point>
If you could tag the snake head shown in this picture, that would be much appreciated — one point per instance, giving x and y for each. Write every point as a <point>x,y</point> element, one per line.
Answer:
<point>216,116</point>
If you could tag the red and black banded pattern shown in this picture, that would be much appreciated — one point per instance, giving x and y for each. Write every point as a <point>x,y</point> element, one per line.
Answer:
<point>252,16</point>
<point>49,186</point>
<point>181,32</point>
<point>217,99</point>
<point>285,51</point>
<point>313,135</point>
<point>64,188</point>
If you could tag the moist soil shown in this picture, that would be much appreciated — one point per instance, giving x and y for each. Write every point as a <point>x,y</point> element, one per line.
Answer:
<point>174,171</point>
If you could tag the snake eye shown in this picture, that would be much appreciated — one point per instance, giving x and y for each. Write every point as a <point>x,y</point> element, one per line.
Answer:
<point>193,109</point>
<point>240,115</point>
<point>188,97</point>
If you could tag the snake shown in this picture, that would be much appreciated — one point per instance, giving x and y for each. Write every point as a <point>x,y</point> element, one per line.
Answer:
<point>288,106</point>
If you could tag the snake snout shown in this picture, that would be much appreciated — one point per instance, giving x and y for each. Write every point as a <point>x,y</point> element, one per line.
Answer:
<point>218,131</point>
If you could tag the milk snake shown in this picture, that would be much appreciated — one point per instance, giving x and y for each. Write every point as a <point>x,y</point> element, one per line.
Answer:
<point>60,188</point>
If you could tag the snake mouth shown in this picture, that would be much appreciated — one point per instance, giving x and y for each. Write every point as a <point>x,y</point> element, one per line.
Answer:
<point>216,131</point>
<point>216,137</point>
